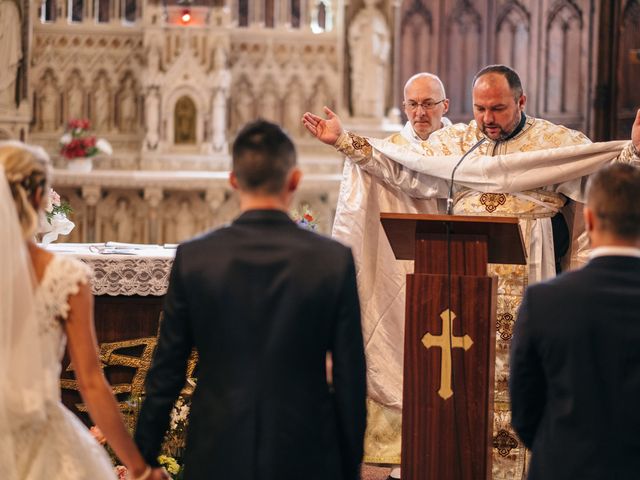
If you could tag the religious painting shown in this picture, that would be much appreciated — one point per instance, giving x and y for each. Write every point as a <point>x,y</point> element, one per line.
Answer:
<point>184,121</point>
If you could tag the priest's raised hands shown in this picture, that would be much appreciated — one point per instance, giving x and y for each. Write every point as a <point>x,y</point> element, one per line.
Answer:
<point>326,130</point>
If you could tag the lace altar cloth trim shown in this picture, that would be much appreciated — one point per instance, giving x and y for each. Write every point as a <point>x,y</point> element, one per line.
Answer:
<point>146,273</point>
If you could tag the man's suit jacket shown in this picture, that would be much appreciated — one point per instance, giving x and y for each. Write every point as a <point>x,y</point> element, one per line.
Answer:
<point>575,373</point>
<point>263,301</point>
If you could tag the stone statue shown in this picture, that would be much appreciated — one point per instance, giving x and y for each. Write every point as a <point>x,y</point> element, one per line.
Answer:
<point>243,103</point>
<point>101,106</point>
<point>128,113</point>
<point>222,82</point>
<point>369,46</point>
<point>48,105</point>
<point>152,110</point>
<point>270,105</point>
<point>122,222</point>
<point>320,97</point>
<point>75,97</point>
<point>184,222</point>
<point>10,51</point>
<point>293,109</point>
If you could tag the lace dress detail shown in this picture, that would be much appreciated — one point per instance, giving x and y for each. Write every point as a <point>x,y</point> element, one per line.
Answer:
<point>61,447</point>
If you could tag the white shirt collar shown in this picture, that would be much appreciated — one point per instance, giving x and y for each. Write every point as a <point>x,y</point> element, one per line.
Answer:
<point>614,251</point>
<point>412,137</point>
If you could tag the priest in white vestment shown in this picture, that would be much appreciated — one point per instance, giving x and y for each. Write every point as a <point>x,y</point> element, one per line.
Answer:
<point>522,166</point>
<point>381,278</point>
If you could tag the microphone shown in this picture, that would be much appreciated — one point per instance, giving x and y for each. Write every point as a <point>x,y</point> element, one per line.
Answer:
<point>453,172</point>
<point>450,196</point>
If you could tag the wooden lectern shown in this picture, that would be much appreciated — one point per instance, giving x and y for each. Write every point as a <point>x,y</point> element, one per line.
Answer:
<point>449,339</point>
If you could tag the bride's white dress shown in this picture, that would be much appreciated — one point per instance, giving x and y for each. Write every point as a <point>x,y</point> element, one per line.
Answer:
<point>61,447</point>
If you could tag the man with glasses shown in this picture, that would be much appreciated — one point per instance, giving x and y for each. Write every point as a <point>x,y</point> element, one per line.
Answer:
<point>425,103</point>
<point>512,172</point>
<point>362,198</point>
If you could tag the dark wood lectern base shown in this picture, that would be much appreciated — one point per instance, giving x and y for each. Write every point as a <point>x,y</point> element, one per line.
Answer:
<point>448,439</point>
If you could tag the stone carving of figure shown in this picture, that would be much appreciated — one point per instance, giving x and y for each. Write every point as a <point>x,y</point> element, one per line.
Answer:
<point>128,107</point>
<point>270,106</point>
<point>75,97</point>
<point>320,97</point>
<point>152,110</point>
<point>369,46</point>
<point>10,51</point>
<point>222,82</point>
<point>243,104</point>
<point>121,222</point>
<point>184,222</point>
<point>48,103</point>
<point>293,108</point>
<point>101,105</point>
<point>153,74</point>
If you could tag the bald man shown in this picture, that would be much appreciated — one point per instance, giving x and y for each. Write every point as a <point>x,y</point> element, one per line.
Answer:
<point>381,277</point>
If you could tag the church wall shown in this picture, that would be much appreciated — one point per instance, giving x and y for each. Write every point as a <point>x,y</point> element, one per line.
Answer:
<point>550,43</point>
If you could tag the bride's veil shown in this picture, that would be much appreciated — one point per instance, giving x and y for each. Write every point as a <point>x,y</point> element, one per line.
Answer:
<point>23,374</point>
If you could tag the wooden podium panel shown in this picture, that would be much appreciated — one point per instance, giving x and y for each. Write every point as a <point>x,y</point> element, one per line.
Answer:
<point>448,412</point>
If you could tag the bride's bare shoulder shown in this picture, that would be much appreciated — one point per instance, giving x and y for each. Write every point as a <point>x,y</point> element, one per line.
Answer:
<point>40,259</point>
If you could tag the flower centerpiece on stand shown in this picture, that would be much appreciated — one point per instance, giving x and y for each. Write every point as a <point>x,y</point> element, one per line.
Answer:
<point>77,145</point>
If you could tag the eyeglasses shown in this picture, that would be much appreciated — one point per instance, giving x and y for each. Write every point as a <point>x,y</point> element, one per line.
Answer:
<point>428,105</point>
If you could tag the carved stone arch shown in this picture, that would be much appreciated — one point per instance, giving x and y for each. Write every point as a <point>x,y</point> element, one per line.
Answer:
<point>416,40</point>
<point>564,11</point>
<point>513,32</point>
<point>464,35</point>
<point>563,68</point>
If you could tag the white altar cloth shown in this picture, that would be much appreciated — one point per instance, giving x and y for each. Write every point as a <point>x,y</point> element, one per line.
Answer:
<point>126,269</point>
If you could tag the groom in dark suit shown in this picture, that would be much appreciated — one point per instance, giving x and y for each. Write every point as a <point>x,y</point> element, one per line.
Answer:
<point>575,354</point>
<point>263,301</point>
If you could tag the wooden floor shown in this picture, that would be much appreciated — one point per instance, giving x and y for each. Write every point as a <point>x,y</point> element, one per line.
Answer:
<point>370,472</point>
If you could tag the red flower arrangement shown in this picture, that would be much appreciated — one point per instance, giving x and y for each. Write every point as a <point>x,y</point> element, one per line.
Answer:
<point>78,143</point>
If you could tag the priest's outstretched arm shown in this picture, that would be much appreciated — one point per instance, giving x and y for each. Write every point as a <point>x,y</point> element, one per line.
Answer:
<point>403,167</point>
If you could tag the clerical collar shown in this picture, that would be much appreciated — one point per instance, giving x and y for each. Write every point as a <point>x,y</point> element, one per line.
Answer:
<point>616,251</point>
<point>518,129</point>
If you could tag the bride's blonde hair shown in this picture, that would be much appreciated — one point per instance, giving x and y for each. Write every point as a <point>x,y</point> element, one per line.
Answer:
<point>27,169</point>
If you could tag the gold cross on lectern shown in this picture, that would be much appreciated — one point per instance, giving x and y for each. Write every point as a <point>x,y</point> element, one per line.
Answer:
<point>442,341</point>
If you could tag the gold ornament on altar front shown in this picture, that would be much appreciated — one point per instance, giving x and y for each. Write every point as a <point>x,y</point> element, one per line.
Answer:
<point>446,342</point>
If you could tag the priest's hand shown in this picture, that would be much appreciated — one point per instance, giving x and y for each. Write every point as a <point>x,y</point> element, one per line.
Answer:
<point>326,130</point>
<point>635,131</point>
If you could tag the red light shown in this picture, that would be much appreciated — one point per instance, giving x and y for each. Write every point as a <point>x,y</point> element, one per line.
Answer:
<point>186,15</point>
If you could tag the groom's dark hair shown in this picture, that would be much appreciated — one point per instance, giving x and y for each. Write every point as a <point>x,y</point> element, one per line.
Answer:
<point>613,194</point>
<point>263,156</point>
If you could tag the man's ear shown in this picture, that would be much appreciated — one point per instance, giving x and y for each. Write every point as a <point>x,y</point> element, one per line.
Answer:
<point>294,179</point>
<point>233,180</point>
<point>588,219</point>
<point>522,101</point>
<point>446,106</point>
